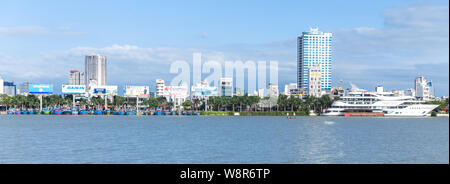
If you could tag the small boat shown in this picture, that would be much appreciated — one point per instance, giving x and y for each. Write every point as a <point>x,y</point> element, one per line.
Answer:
<point>131,113</point>
<point>67,112</point>
<point>83,112</point>
<point>122,113</point>
<point>57,112</point>
<point>45,111</point>
<point>98,112</point>
<point>291,117</point>
<point>197,114</point>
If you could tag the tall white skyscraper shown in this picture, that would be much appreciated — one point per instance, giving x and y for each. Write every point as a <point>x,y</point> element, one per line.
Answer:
<point>314,48</point>
<point>95,73</point>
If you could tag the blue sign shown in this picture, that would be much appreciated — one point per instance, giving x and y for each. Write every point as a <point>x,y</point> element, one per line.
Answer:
<point>73,89</point>
<point>430,84</point>
<point>40,88</point>
<point>99,90</point>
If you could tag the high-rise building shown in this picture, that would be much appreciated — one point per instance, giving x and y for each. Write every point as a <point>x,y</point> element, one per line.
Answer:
<point>159,87</point>
<point>315,81</point>
<point>9,88</point>
<point>76,77</point>
<point>23,88</point>
<point>423,88</point>
<point>314,48</point>
<point>226,87</point>
<point>95,73</point>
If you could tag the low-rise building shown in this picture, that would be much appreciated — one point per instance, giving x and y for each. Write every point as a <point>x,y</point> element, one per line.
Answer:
<point>288,87</point>
<point>176,94</point>
<point>273,90</point>
<point>423,88</point>
<point>226,87</point>
<point>159,87</point>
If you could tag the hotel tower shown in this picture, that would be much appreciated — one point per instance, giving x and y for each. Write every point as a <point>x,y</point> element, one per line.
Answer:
<point>95,74</point>
<point>314,49</point>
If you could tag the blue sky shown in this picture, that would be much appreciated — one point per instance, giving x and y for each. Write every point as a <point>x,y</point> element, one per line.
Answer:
<point>388,42</point>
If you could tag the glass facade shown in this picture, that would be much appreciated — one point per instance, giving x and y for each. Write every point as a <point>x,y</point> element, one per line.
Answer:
<point>314,48</point>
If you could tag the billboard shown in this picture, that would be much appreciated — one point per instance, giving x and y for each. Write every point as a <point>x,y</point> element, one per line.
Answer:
<point>40,88</point>
<point>205,91</point>
<point>137,91</point>
<point>73,89</point>
<point>177,91</point>
<point>103,90</point>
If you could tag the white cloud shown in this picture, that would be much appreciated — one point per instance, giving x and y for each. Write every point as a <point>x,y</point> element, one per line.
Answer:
<point>23,31</point>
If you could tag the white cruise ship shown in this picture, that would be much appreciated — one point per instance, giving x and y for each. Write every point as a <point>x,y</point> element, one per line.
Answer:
<point>384,103</point>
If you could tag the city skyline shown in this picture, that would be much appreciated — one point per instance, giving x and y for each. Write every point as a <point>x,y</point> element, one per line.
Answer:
<point>392,43</point>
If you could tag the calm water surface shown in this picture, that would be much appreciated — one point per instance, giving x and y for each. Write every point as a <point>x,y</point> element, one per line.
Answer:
<point>209,139</point>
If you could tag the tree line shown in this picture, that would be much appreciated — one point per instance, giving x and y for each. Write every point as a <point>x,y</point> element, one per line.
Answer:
<point>216,103</point>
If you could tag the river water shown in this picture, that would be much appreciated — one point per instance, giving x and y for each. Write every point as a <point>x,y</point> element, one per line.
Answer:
<point>227,139</point>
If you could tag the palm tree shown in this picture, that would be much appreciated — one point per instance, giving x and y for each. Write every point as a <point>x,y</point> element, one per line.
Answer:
<point>6,100</point>
<point>282,101</point>
<point>196,102</point>
<point>253,101</point>
<point>170,105</point>
<point>324,101</point>
<point>151,102</point>
<point>187,105</point>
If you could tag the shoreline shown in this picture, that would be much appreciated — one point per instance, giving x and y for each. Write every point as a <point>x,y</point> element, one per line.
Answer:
<point>230,113</point>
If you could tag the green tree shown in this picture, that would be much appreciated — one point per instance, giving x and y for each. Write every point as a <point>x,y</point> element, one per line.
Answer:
<point>187,105</point>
